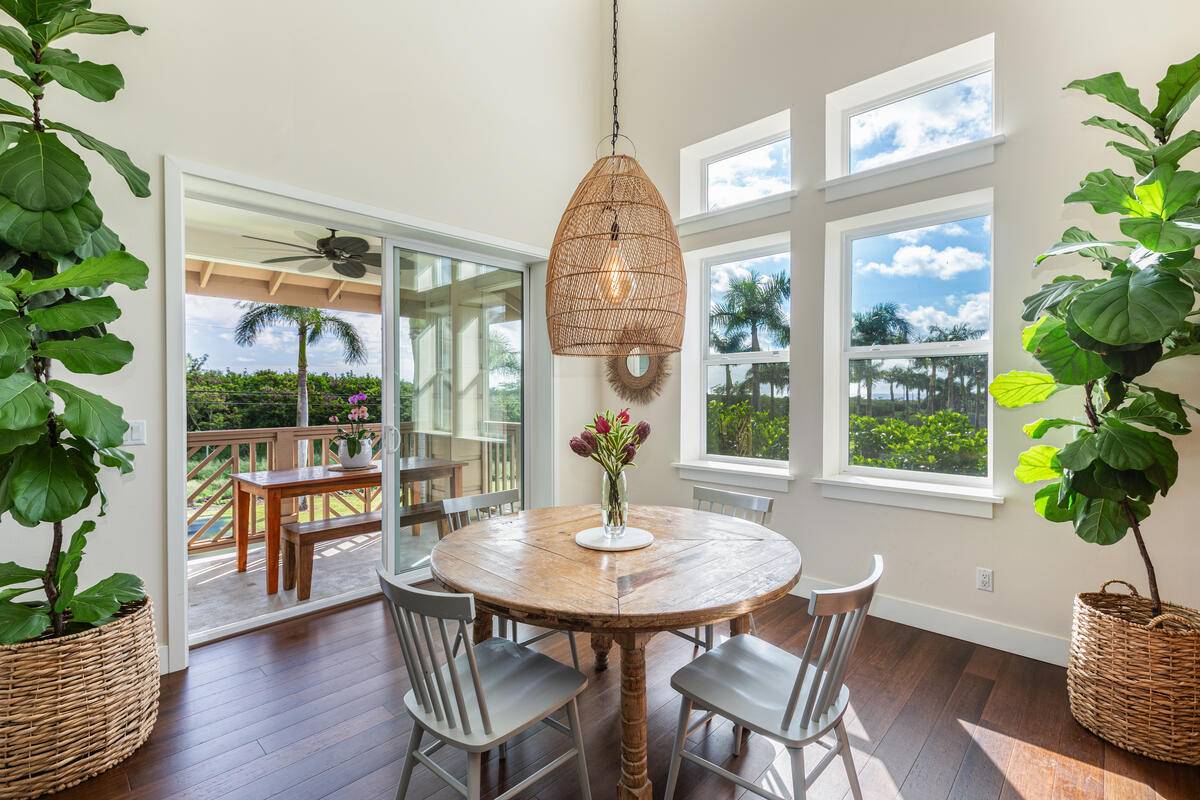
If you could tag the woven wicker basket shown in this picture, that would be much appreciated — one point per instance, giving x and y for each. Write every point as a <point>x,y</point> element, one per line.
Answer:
<point>74,706</point>
<point>1133,678</point>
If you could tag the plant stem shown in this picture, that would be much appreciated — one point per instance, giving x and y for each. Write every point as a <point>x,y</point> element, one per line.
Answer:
<point>1155,600</point>
<point>56,617</point>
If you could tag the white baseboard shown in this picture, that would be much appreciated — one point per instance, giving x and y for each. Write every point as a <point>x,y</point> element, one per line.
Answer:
<point>1002,636</point>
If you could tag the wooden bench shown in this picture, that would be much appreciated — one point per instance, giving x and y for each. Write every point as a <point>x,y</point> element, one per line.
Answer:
<point>301,538</point>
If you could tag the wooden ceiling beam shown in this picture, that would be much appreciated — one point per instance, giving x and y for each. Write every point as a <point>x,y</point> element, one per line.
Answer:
<point>335,290</point>
<point>275,282</point>
<point>206,272</point>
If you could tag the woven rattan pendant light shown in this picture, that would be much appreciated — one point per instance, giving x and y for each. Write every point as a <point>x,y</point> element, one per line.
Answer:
<point>615,281</point>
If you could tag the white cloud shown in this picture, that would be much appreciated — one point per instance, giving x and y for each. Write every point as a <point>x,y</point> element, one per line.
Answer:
<point>972,309</point>
<point>925,261</point>
<point>722,275</point>
<point>936,119</point>
<point>916,235</point>
<point>750,175</point>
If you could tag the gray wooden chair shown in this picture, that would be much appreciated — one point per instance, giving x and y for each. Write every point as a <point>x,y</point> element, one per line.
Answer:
<point>733,504</point>
<point>748,681</point>
<point>481,698</point>
<point>462,511</point>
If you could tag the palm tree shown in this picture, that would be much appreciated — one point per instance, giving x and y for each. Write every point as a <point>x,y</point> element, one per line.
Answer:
<point>755,308</point>
<point>312,325</point>
<point>958,332</point>
<point>735,343</point>
<point>882,324</point>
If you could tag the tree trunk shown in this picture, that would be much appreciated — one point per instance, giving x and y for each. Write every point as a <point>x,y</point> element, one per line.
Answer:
<point>754,390</point>
<point>1155,600</point>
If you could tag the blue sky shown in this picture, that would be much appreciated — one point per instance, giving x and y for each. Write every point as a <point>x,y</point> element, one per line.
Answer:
<point>760,269</point>
<point>948,115</point>
<point>750,175</point>
<point>939,275</point>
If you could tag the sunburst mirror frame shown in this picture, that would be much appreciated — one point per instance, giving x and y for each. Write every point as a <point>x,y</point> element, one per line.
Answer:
<point>633,387</point>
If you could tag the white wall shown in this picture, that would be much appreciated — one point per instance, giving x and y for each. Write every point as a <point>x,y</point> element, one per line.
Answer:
<point>476,114</point>
<point>691,69</point>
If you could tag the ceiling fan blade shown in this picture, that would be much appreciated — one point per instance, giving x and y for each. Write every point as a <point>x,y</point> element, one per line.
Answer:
<point>309,238</point>
<point>372,259</point>
<point>287,259</point>
<point>315,265</point>
<point>351,269</point>
<point>350,244</point>
<point>276,241</point>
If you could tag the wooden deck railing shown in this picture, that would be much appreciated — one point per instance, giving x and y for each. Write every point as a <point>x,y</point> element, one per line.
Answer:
<point>214,456</point>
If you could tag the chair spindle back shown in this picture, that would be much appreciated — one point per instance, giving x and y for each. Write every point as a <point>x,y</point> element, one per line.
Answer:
<point>462,511</point>
<point>415,614</point>
<point>733,504</point>
<point>838,616</point>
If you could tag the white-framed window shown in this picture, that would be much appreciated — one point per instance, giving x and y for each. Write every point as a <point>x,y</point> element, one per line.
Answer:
<point>908,344</point>
<point>742,174</point>
<point>926,118</point>
<point>745,385</point>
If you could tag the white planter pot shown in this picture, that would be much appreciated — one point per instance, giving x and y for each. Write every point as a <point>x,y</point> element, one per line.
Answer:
<point>361,459</point>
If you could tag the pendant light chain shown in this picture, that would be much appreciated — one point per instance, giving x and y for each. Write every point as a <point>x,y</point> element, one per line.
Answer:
<point>616,130</point>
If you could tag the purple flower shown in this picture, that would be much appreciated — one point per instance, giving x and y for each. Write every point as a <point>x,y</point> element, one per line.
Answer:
<point>355,399</point>
<point>629,453</point>
<point>642,431</point>
<point>590,439</point>
<point>580,447</point>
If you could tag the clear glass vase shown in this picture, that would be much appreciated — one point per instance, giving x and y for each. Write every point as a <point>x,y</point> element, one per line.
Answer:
<point>614,504</point>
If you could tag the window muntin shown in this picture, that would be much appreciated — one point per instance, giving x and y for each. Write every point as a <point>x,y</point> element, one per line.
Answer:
<point>951,114</point>
<point>749,174</point>
<point>745,368</point>
<point>916,327</point>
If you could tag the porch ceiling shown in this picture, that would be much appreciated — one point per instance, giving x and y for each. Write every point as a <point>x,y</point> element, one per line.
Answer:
<point>260,284</point>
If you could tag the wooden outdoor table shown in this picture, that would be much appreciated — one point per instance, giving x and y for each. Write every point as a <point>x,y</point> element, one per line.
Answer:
<point>702,568</point>
<point>275,486</point>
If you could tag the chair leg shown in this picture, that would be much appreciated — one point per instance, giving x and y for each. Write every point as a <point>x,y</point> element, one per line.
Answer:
<point>504,628</point>
<point>410,761</point>
<point>585,786</point>
<point>848,759</point>
<point>685,711</point>
<point>289,564</point>
<point>798,790</point>
<point>753,627</point>
<point>709,637</point>
<point>474,775</point>
<point>738,734</point>
<point>574,650</point>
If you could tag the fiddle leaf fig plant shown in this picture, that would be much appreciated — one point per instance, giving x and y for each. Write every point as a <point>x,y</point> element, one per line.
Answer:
<point>1101,334</point>
<point>57,260</point>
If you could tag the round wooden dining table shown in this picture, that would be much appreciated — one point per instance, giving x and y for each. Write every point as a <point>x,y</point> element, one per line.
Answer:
<point>702,568</point>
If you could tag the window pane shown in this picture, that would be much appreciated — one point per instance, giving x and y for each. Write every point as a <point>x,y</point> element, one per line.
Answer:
<point>747,176</point>
<point>929,284</point>
<point>750,304</point>
<point>747,410</point>
<point>949,115</point>
<point>921,414</point>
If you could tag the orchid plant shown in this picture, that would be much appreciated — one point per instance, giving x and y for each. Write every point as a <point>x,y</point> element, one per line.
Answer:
<point>357,417</point>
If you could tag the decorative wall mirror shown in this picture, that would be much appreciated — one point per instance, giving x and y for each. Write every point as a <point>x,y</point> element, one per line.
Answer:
<point>637,376</point>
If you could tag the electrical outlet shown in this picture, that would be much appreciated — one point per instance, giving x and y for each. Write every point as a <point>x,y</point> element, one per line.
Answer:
<point>983,579</point>
<point>136,434</point>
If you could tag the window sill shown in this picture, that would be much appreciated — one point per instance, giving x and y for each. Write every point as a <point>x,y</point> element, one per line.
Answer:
<point>930,165</point>
<point>734,215</point>
<point>970,501</point>
<point>729,473</point>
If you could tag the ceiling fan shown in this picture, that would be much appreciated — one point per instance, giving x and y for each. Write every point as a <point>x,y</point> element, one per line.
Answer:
<point>348,255</point>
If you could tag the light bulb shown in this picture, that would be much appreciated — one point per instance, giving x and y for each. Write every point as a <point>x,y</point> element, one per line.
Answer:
<point>616,281</point>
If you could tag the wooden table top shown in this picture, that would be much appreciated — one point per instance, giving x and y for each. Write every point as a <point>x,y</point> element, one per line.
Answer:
<point>702,568</point>
<point>309,476</point>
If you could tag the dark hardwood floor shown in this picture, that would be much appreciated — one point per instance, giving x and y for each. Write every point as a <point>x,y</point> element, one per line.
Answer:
<point>313,708</point>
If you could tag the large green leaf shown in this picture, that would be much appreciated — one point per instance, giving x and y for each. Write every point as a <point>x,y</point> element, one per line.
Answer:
<point>14,343</point>
<point>117,458</point>
<point>32,12</point>
<point>24,402</point>
<point>1132,482</point>
<point>1144,409</point>
<point>89,355</point>
<point>1051,296</point>
<point>48,231</point>
<point>13,110</point>
<point>20,623</point>
<point>1166,190</point>
<point>1084,482</point>
<point>1100,521</point>
<point>1048,504</point>
<point>99,82</point>
<point>1164,235</point>
<point>136,178</point>
<point>105,598</point>
<point>1079,454</point>
<point>40,173</point>
<point>73,315</point>
<point>1066,361</point>
<point>1177,148</point>
<point>11,572</point>
<point>89,415</point>
<point>1041,426</point>
<point>1038,463</point>
<point>1067,247</point>
<point>1018,388</point>
<point>1133,308</point>
<point>1130,361</point>
<point>48,484</point>
<point>1107,193</point>
<point>81,20</point>
<point>115,267</point>
<point>12,439</point>
<point>15,42</point>
<point>1143,160</point>
<point>100,242</point>
<point>1112,87</point>
<point>1123,446</point>
<point>1169,402</point>
<point>66,574</point>
<point>1132,131</point>
<point>1176,92</point>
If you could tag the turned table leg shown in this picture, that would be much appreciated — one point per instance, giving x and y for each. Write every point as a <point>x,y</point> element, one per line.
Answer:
<point>601,644</point>
<point>635,778</point>
<point>482,630</point>
<point>739,625</point>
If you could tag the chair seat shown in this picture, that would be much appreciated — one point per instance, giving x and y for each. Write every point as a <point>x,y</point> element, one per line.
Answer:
<point>522,687</point>
<point>749,681</point>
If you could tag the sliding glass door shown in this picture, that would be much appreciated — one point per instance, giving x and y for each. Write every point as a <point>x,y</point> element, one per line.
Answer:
<point>455,330</point>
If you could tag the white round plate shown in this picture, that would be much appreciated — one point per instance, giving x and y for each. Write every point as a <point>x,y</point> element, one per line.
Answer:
<point>340,468</point>
<point>634,539</point>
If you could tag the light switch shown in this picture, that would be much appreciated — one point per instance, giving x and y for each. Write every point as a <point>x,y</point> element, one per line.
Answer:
<point>136,433</point>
